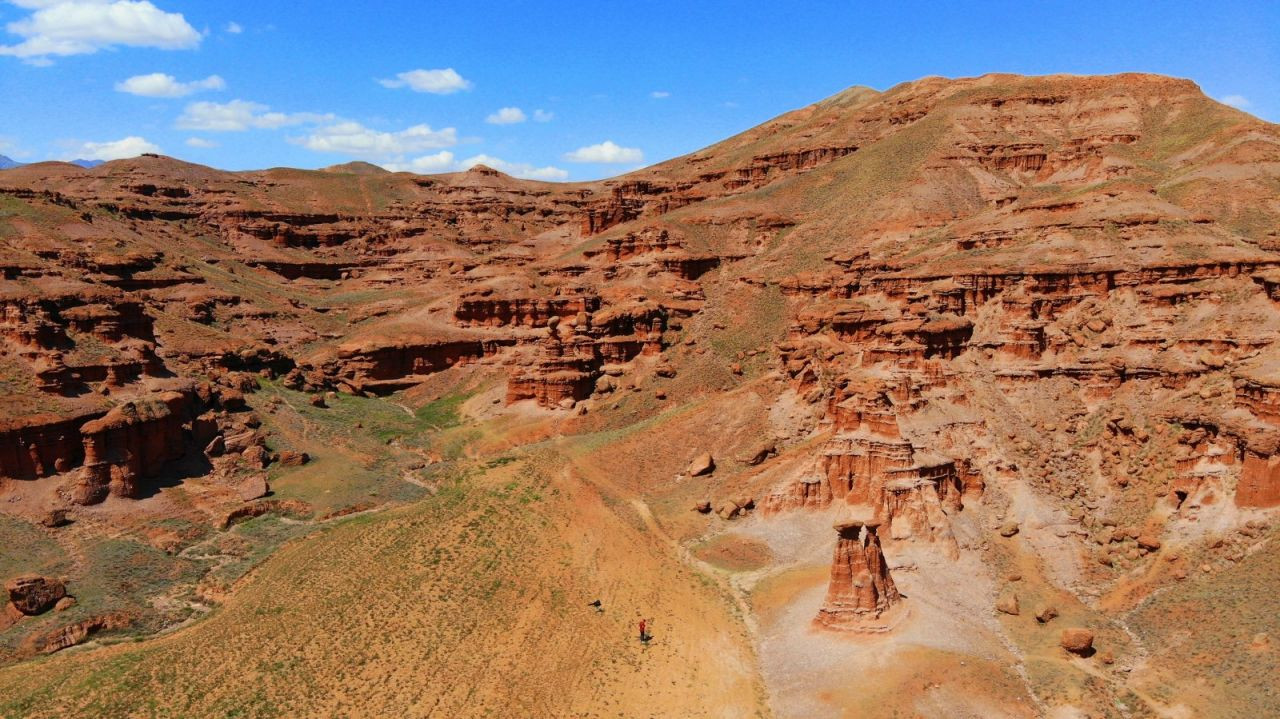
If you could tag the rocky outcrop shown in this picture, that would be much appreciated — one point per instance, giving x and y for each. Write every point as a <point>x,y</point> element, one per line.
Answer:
<point>42,445</point>
<point>385,366</point>
<point>571,358</point>
<point>73,634</point>
<point>861,592</point>
<point>131,443</point>
<point>566,371</point>
<point>485,311</point>
<point>290,507</point>
<point>32,594</point>
<point>1259,484</point>
<point>868,464</point>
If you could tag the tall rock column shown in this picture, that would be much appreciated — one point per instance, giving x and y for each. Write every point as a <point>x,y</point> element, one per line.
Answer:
<point>861,591</point>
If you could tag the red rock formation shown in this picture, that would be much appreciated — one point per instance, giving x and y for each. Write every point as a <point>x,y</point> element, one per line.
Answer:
<point>384,367</point>
<point>130,443</point>
<point>33,594</point>
<point>1259,484</point>
<point>42,445</point>
<point>520,311</point>
<point>73,634</point>
<point>861,590</point>
<point>571,359</point>
<point>567,370</point>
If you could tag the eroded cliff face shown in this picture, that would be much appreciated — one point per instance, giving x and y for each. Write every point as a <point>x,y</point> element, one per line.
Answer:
<point>1040,306</point>
<point>130,443</point>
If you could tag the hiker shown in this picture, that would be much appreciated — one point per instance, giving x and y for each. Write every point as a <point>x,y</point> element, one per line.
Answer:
<point>599,607</point>
<point>645,636</point>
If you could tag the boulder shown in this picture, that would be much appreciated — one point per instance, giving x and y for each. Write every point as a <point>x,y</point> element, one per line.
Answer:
<point>1008,603</point>
<point>33,594</point>
<point>1046,613</point>
<point>759,453</point>
<point>703,507</point>
<point>1077,640</point>
<point>289,458</point>
<point>1148,541</point>
<point>254,487</point>
<point>231,400</point>
<point>55,518</point>
<point>701,464</point>
<point>255,456</point>
<point>216,447</point>
<point>1008,529</point>
<point>728,510</point>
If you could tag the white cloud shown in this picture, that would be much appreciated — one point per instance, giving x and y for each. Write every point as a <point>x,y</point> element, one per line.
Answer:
<point>79,27</point>
<point>506,116</point>
<point>201,143</point>
<point>158,84</point>
<point>543,116</point>
<point>352,138</point>
<point>605,152</point>
<point>659,94</point>
<point>1237,101</point>
<point>439,82</point>
<point>131,146</point>
<point>234,28</point>
<point>443,161</point>
<point>240,115</point>
<point>516,169</point>
<point>11,148</point>
<point>440,162</point>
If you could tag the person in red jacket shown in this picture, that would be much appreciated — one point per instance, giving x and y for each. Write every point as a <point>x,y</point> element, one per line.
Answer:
<point>644,631</point>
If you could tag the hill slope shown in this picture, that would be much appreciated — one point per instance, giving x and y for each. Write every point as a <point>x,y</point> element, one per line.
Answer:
<point>1015,337</point>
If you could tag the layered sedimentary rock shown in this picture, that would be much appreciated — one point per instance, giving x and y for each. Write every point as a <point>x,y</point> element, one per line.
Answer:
<point>1259,484</point>
<point>382,366</point>
<point>42,445</point>
<point>488,311</point>
<point>958,298</point>
<point>571,357</point>
<point>129,444</point>
<point>868,464</point>
<point>861,591</point>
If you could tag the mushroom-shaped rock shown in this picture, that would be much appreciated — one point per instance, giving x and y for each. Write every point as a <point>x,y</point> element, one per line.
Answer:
<point>860,591</point>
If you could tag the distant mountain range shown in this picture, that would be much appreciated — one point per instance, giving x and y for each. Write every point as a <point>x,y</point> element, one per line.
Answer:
<point>7,163</point>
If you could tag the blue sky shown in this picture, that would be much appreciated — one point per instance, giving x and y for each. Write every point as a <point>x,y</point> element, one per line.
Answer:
<point>589,89</point>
